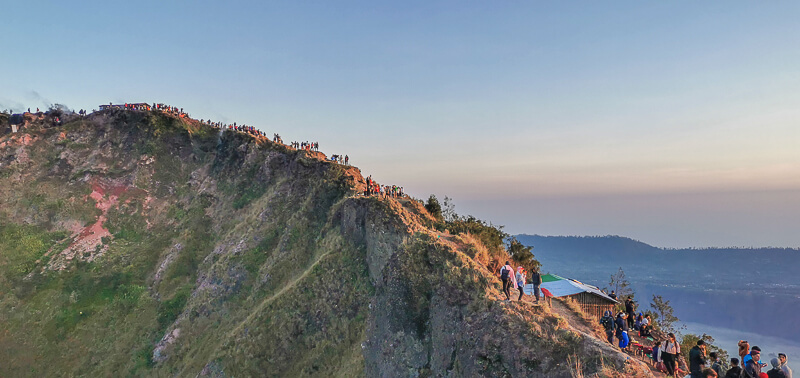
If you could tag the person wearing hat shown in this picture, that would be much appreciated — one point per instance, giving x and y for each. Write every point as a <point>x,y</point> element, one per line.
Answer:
<point>752,367</point>
<point>775,372</point>
<point>749,357</point>
<point>784,367</point>
<point>609,325</point>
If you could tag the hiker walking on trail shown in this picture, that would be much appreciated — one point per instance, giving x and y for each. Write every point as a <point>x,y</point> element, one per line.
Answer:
<point>607,321</point>
<point>520,281</point>
<point>536,278</point>
<point>507,275</point>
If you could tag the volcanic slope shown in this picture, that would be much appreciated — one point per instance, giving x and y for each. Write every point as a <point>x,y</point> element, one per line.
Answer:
<point>140,244</point>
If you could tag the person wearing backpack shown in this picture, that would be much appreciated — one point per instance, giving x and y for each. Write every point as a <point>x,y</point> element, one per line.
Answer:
<point>507,276</point>
<point>607,321</point>
<point>536,278</point>
<point>670,350</point>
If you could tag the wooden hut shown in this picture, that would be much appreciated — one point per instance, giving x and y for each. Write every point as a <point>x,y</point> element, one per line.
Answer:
<point>591,299</point>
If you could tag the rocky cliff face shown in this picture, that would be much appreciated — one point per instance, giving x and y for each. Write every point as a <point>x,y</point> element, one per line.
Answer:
<point>137,243</point>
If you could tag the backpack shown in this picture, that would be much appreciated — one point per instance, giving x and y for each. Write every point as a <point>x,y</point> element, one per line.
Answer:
<point>608,323</point>
<point>504,273</point>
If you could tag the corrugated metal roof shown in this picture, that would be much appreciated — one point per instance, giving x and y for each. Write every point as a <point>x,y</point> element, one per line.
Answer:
<point>562,287</point>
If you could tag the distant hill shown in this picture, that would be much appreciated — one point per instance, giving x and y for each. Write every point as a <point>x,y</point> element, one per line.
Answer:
<point>618,249</point>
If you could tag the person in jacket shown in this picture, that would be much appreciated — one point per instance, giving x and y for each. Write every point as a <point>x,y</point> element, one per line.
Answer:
<point>631,311</point>
<point>609,325</point>
<point>697,359</point>
<point>622,330</point>
<point>775,372</point>
<point>520,281</point>
<point>744,350</point>
<point>536,279</point>
<point>715,364</point>
<point>735,371</point>
<point>752,368</point>
<point>749,357</point>
<point>784,367</point>
<point>507,276</point>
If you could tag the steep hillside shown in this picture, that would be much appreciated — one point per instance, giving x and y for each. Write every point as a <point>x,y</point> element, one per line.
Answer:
<point>141,244</point>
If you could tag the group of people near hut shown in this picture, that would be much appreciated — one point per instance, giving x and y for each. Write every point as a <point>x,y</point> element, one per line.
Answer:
<point>667,357</point>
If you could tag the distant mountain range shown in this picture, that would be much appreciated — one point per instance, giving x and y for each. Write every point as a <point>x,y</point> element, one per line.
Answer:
<point>737,288</point>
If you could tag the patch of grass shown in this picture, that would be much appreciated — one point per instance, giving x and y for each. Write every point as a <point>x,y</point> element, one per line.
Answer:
<point>254,258</point>
<point>249,188</point>
<point>23,245</point>
<point>199,241</point>
<point>169,310</point>
<point>126,223</point>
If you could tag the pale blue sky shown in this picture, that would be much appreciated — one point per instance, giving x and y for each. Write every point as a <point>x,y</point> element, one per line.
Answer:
<point>675,123</point>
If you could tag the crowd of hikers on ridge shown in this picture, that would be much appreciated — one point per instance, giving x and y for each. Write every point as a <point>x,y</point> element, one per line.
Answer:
<point>371,187</point>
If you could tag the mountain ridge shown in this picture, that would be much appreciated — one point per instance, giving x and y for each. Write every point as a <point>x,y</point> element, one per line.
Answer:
<point>143,243</point>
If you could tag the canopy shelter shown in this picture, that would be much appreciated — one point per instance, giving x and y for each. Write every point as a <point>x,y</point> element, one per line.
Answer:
<point>591,299</point>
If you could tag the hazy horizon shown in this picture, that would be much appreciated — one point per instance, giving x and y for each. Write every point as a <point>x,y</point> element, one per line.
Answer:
<point>671,123</point>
